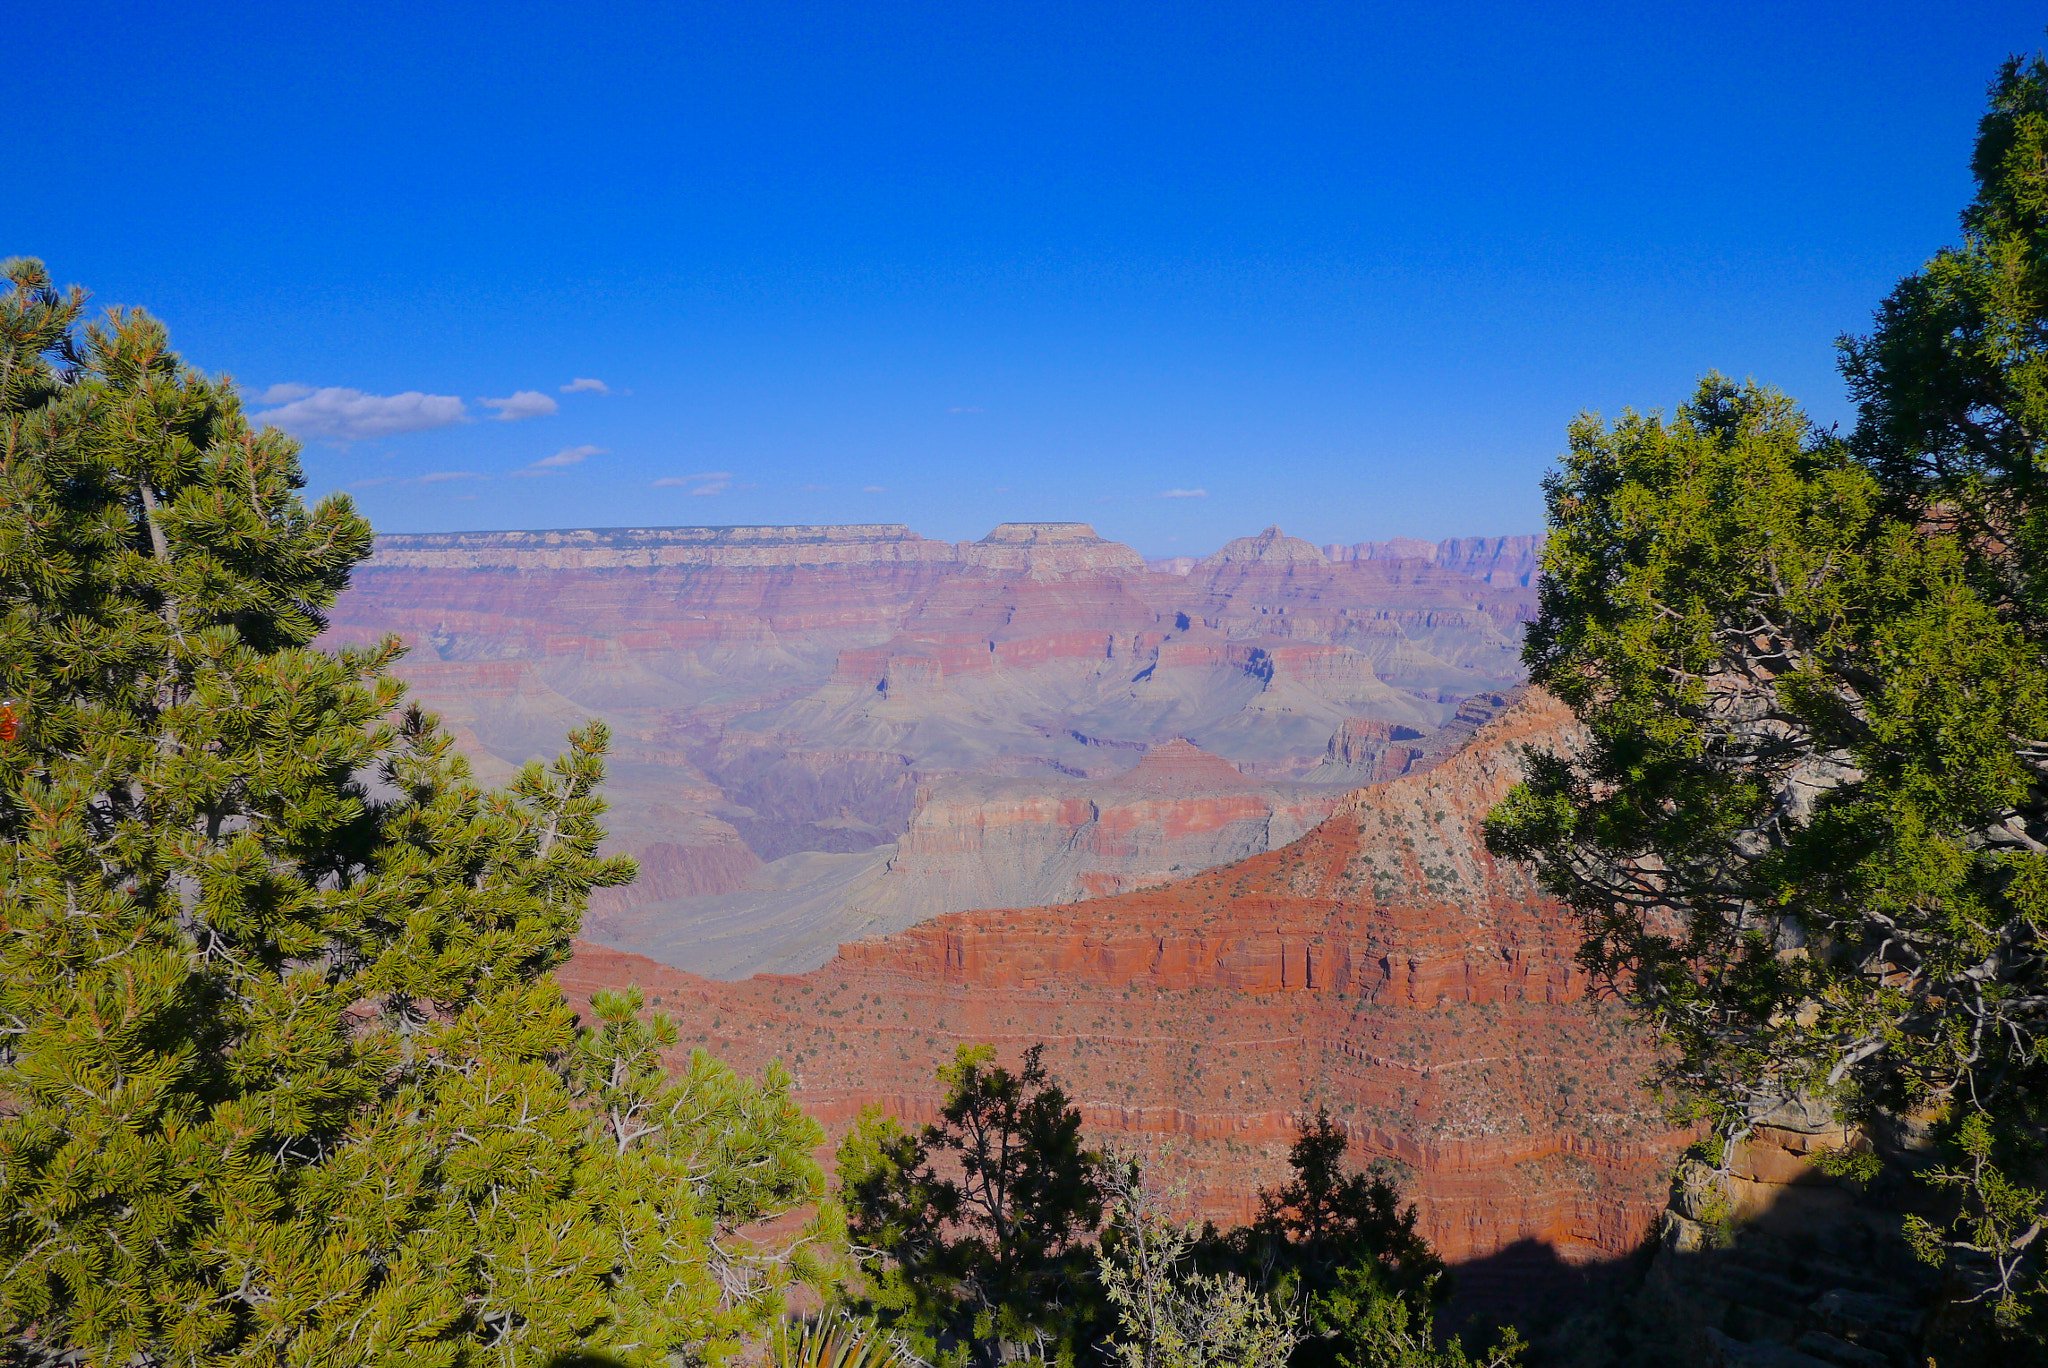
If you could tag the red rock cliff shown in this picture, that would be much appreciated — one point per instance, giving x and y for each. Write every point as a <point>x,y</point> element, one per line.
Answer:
<point>1383,964</point>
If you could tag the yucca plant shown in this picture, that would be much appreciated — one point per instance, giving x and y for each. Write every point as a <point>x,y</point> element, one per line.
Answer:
<point>841,1341</point>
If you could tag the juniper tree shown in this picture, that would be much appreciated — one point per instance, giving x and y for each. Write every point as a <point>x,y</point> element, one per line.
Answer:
<point>1802,830</point>
<point>970,1230</point>
<point>1809,832</point>
<point>283,1078</point>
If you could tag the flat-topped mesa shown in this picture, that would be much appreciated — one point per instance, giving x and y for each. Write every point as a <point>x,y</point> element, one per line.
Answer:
<point>603,548</point>
<point>1271,547</point>
<point>1050,550</point>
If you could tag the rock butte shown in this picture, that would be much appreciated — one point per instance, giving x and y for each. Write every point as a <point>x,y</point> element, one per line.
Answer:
<point>1382,964</point>
<point>803,717</point>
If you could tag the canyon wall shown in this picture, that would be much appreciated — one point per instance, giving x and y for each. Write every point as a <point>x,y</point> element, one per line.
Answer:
<point>1493,560</point>
<point>1382,964</point>
<point>788,704</point>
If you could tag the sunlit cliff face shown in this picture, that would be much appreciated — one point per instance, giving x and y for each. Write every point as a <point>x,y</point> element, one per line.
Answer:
<point>1383,964</point>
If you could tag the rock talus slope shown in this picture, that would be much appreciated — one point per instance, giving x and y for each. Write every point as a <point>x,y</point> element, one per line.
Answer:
<point>1382,964</point>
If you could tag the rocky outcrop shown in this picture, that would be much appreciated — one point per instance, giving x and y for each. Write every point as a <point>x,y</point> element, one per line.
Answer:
<point>1772,1262</point>
<point>1271,547</point>
<point>1382,964</point>
<point>1368,750</point>
<point>1048,551</point>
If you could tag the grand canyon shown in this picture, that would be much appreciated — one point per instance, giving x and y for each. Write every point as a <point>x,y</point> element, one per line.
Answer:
<point>1207,828</point>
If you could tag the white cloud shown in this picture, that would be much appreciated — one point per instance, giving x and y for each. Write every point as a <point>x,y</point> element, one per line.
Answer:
<point>1185,494</point>
<point>874,489</point>
<point>522,404</point>
<point>567,456</point>
<point>281,394</point>
<point>347,415</point>
<point>670,481</point>
<point>443,476</point>
<point>718,488</point>
<point>582,382</point>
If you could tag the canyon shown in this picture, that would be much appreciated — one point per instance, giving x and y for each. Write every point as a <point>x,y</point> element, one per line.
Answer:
<point>1381,964</point>
<point>1209,829</point>
<point>825,732</point>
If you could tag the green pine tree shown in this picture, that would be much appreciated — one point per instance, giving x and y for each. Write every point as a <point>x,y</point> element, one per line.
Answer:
<point>283,1077</point>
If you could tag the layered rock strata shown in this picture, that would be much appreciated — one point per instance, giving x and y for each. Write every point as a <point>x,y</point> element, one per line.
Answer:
<point>1382,964</point>
<point>977,843</point>
<point>1493,560</point>
<point>780,697</point>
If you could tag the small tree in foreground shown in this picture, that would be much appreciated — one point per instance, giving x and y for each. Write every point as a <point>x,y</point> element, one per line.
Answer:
<point>969,1231</point>
<point>283,1077</point>
<point>1170,1315</point>
<point>1341,1249</point>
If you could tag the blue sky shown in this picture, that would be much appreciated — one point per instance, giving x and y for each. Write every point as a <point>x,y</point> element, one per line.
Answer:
<point>1347,269</point>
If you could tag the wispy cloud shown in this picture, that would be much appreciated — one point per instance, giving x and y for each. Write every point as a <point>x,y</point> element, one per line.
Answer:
<point>584,382</point>
<point>522,404</point>
<point>348,415</point>
<point>1185,494</point>
<point>874,489</point>
<point>443,476</point>
<point>707,482</point>
<point>281,394</point>
<point>965,408</point>
<point>802,488</point>
<point>568,455</point>
<point>380,480</point>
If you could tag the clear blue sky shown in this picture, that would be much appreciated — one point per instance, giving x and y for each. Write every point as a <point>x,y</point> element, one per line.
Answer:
<point>1350,269</point>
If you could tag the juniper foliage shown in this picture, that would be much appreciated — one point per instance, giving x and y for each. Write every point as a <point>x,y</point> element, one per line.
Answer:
<point>1808,831</point>
<point>283,1077</point>
<point>970,1232</point>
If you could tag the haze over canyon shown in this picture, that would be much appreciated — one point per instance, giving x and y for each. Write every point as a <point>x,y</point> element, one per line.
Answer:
<point>822,733</point>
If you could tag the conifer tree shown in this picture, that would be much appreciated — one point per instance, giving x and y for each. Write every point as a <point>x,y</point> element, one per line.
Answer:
<point>283,1079</point>
<point>1808,831</point>
<point>984,1248</point>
